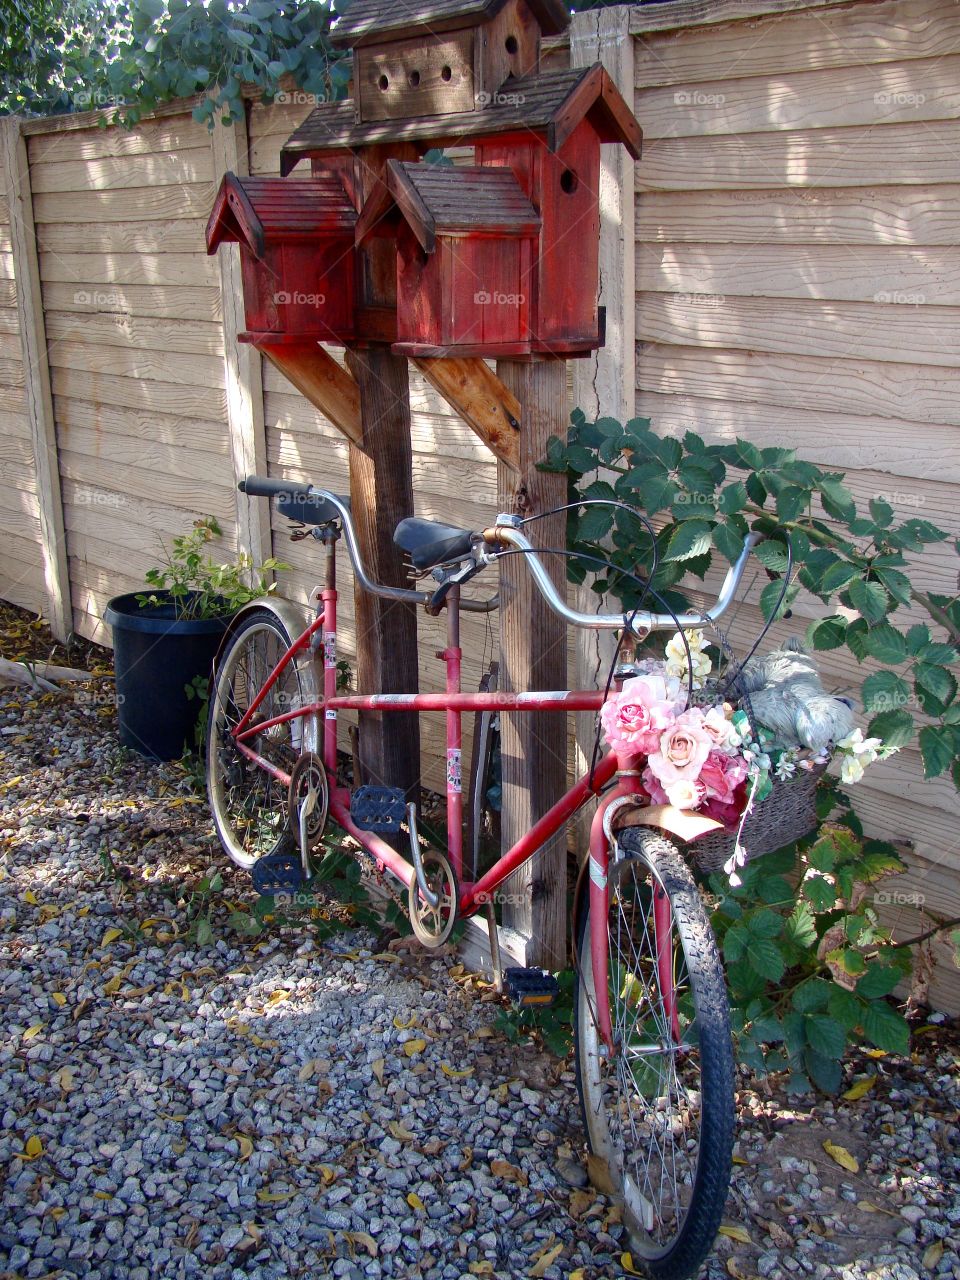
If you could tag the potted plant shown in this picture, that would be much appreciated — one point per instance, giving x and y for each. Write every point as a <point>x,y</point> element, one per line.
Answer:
<point>165,639</point>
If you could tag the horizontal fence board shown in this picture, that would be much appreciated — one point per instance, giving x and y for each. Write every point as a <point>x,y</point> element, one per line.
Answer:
<point>883,215</point>
<point>861,157</point>
<point>160,428</point>
<point>175,133</point>
<point>136,521</point>
<point>909,277</point>
<point>894,93</point>
<point>174,368</point>
<point>129,268</point>
<point>194,497</point>
<point>864,387</point>
<point>148,334</point>
<point>15,424</point>
<point>847,330</point>
<point>849,36</point>
<point>120,451</point>
<point>179,235</point>
<point>139,393</point>
<point>899,449</point>
<point>160,301</point>
<point>112,173</point>
<point>8,320</point>
<point>188,201</point>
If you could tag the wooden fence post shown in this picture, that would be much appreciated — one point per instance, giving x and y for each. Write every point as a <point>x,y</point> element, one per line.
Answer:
<point>533,655</point>
<point>243,367</point>
<point>39,398</point>
<point>605,385</point>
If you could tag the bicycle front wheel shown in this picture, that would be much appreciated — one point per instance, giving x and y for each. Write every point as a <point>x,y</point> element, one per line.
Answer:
<point>659,1109</point>
<point>249,805</point>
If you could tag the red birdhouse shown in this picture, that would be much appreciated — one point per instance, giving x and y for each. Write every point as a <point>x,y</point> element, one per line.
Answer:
<point>466,249</point>
<point>296,252</point>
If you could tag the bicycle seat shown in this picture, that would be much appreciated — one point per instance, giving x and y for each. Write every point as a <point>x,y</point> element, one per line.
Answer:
<point>429,543</point>
<point>308,509</point>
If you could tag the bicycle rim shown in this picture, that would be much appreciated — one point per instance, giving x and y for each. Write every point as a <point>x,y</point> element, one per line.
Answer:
<point>250,806</point>
<point>659,1110</point>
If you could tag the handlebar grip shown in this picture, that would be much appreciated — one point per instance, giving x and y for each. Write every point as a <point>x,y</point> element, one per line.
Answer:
<point>266,487</point>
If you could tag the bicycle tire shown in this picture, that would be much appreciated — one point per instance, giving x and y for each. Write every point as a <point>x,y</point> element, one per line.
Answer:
<point>671,1244</point>
<point>248,806</point>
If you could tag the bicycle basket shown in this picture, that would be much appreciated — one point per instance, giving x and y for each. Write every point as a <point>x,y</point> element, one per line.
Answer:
<point>786,814</point>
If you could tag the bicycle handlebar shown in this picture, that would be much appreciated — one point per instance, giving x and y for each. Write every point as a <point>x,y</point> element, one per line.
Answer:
<point>506,531</point>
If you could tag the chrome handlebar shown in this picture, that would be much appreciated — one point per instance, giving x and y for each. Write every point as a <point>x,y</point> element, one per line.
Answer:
<point>506,531</point>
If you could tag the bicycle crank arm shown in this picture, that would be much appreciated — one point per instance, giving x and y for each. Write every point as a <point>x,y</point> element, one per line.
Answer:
<point>432,899</point>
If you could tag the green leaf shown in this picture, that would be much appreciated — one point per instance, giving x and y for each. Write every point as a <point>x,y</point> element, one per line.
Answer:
<point>869,599</point>
<point>937,681</point>
<point>943,654</point>
<point>772,555</point>
<point>826,1073</point>
<point>837,499</point>
<point>735,942</point>
<point>811,996</point>
<point>898,584</point>
<point>844,1006</point>
<point>885,1028</point>
<point>727,541</point>
<point>838,575</point>
<point>879,980</point>
<point>800,928</point>
<point>827,633</point>
<point>820,892</point>
<point>764,923</point>
<point>756,490</point>
<point>594,524</point>
<point>770,600</point>
<point>733,498</point>
<point>937,750</point>
<point>882,512</point>
<point>918,637</point>
<point>886,644</point>
<point>825,1035</point>
<point>894,727</point>
<point>885,691</point>
<point>692,538</point>
<point>791,501</point>
<point>765,959</point>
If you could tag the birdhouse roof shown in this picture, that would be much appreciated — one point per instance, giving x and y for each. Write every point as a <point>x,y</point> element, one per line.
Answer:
<point>378,21</point>
<point>550,106</point>
<point>254,211</point>
<point>448,200</point>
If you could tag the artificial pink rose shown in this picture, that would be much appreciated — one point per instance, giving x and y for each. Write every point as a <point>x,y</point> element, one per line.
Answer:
<point>653,788</point>
<point>635,718</point>
<point>684,794</point>
<point>719,728</point>
<point>683,749</point>
<point>721,775</point>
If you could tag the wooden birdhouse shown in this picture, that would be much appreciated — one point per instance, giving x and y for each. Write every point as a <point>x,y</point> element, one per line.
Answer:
<point>297,255</point>
<point>466,248</point>
<point>439,57</point>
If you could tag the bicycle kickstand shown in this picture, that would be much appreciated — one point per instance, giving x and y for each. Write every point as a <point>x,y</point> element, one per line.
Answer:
<point>306,809</point>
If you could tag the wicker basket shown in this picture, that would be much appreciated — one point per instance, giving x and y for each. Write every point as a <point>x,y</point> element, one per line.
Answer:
<point>787,813</point>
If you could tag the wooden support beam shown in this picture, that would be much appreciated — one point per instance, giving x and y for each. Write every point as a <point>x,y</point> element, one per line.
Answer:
<point>533,655</point>
<point>474,391</point>
<point>242,367</point>
<point>326,384</point>
<point>36,370</point>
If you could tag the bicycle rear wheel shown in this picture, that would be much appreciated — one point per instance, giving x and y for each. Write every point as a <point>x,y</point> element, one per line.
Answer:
<point>660,1109</point>
<point>249,805</point>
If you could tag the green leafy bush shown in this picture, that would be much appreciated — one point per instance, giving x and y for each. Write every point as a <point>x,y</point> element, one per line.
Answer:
<point>809,966</point>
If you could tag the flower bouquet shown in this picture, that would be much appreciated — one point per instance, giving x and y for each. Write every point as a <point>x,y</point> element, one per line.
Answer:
<point>751,762</point>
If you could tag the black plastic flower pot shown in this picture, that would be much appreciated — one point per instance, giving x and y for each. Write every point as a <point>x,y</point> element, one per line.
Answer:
<point>156,657</point>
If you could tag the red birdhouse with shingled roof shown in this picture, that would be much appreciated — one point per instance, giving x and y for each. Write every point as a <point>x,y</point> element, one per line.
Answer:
<point>486,264</point>
<point>296,252</point>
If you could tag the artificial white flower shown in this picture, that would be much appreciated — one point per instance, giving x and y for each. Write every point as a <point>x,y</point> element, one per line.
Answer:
<point>851,769</point>
<point>856,744</point>
<point>786,767</point>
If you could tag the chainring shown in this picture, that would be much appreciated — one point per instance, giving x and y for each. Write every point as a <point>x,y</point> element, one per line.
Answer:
<point>308,771</point>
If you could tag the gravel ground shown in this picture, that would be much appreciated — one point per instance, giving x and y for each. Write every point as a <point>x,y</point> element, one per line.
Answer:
<point>293,1106</point>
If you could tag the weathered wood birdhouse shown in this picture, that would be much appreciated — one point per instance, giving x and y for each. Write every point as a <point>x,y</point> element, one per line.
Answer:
<point>466,247</point>
<point>297,255</point>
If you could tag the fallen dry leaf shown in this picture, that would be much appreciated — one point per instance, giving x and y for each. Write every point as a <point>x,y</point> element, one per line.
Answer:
<point>508,1172</point>
<point>31,1033</point>
<point>274,1197</point>
<point>626,1261</point>
<point>377,1068</point>
<point>64,1079</point>
<point>307,1070</point>
<point>545,1260</point>
<point>580,1202</point>
<point>32,1148</point>
<point>842,1156</point>
<point>58,998</point>
<point>111,935</point>
<point>399,1023</point>
<point>412,1047</point>
<point>932,1255</point>
<point>599,1173</point>
<point>454,1074</point>
<point>481,1268</point>
<point>414,1201</point>
<point>365,1240</point>
<point>740,1234</point>
<point>859,1088</point>
<point>400,1131</point>
<point>245,1145</point>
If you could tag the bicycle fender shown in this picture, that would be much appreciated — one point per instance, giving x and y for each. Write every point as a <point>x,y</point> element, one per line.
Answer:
<point>685,824</point>
<point>287,613</point>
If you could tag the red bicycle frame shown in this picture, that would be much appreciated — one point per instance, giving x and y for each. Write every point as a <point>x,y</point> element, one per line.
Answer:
<point>453,702</point>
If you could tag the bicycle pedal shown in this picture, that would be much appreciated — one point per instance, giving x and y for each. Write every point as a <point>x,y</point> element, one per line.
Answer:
<point>526,987</point>
<point>277,873</point>
<point>378,808</point>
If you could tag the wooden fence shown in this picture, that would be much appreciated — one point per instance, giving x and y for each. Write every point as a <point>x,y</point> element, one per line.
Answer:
<point>782,263</point>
